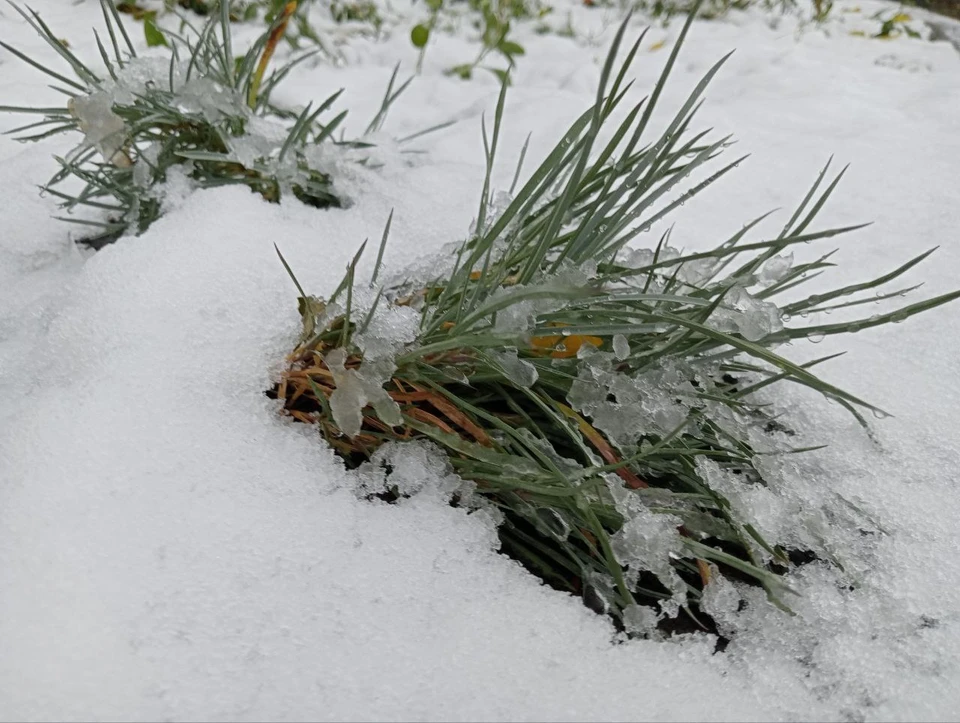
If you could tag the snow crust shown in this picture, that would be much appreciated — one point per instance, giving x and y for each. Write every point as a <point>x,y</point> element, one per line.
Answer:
<point>170,548</point>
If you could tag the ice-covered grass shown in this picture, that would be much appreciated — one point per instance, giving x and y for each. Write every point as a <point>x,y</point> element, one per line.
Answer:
<point>172,548</point>
<point>200,118</point>
<point>603,401</point>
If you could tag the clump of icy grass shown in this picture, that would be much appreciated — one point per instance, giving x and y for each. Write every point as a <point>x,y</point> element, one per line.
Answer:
<point>203,119</point>
<point>600,400</point>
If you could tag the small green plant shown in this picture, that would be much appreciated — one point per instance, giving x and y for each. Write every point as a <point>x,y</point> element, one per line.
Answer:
<point>205,116</point>
<point>300,31</point>
<point>360,11</point>
<point>600,399</point>
<point>493,19</point>
<point>893,25</point>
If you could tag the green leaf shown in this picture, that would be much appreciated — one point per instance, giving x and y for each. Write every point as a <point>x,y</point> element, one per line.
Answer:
<point>464,71</point>
<point>502,75</point>
<point>509,48</point>
<point>435,5</point>
<point>419,35</point>
<point>152,33</point>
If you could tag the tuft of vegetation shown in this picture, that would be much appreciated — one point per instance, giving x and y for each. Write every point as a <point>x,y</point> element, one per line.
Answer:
<point>363,17</point>
<point>204,116</point>
<point>493,19</point>
<point>600,398</point>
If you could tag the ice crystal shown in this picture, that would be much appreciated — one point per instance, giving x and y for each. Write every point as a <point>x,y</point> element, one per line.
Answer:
<point>741,313</point>
<point>356,388</point>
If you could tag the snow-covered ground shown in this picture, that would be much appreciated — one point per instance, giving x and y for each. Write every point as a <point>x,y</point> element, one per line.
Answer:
<point>171,548</point>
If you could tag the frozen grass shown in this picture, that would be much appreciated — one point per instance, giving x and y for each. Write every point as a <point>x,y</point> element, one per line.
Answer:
<point>170,548</point>
<point>602,398</point>
<point>203,118</point>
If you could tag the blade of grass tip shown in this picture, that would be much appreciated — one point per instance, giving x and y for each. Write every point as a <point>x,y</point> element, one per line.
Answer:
<point>348,307</point>
<point>563,203</point>
<point>668,139</point>
<point>63,91</point>
<point>664,239</point>
<point>35,111</point>
<point>806,199</point>
<point>523,155</point>
<point>329,128</point>
<point>119,21</point>
<point>821,201</point>
<point>662,80</point>
<point>798,274</point>
<point>774,378</point>
<point>393,78</point>
<point>863,286</point>
<point>608,196</point>
<point>868,300</point>
<point>426,131</point>
<point>389,97</point>
<point>625,162</point>
<point>490,149</point>
<point>174,64</point>
<point>226,33</point>
<point>61,128</point>
<point>722,253</point>
<point>195,51</point>
<point>42,68</point>
<point>896,316</point>
<point>759,352</point>
<point>278,75</point>
<point>82,71</point>
<point>353,264</point>
<point>528,195</point>
<point>624,67</point>
<point>302,123</point>
<point>733,241</point>
<point>103,56</point>
<point>276,32</point>
<point>599,244</point>
<point>369,315</point>
<point>330,100</point>
<point>485,193</point>
<point>113,35</point>
<point>248,62</point>
<point>303,294</point>
<point>383,245</point>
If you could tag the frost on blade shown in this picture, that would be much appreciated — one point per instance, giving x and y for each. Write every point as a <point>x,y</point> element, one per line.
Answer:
<point>621,347</point>
<point>520,372</point>
<point>720,600</point>
<point>639,620</point>
<point>741,313</point>
<point>414,468</point>
<point>102,128</point>
<point>776,268</point>
<point>391,329</point>
<point>649,541</point>
<point>624,407</point>
<point>210,99</point>
<point>355,390</point>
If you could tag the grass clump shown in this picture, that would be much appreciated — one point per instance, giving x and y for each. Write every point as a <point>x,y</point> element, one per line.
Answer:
<point>204,116</point>
<point>599,397</point>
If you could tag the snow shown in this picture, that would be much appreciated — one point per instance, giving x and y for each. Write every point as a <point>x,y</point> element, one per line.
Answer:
<point>171,548</point>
